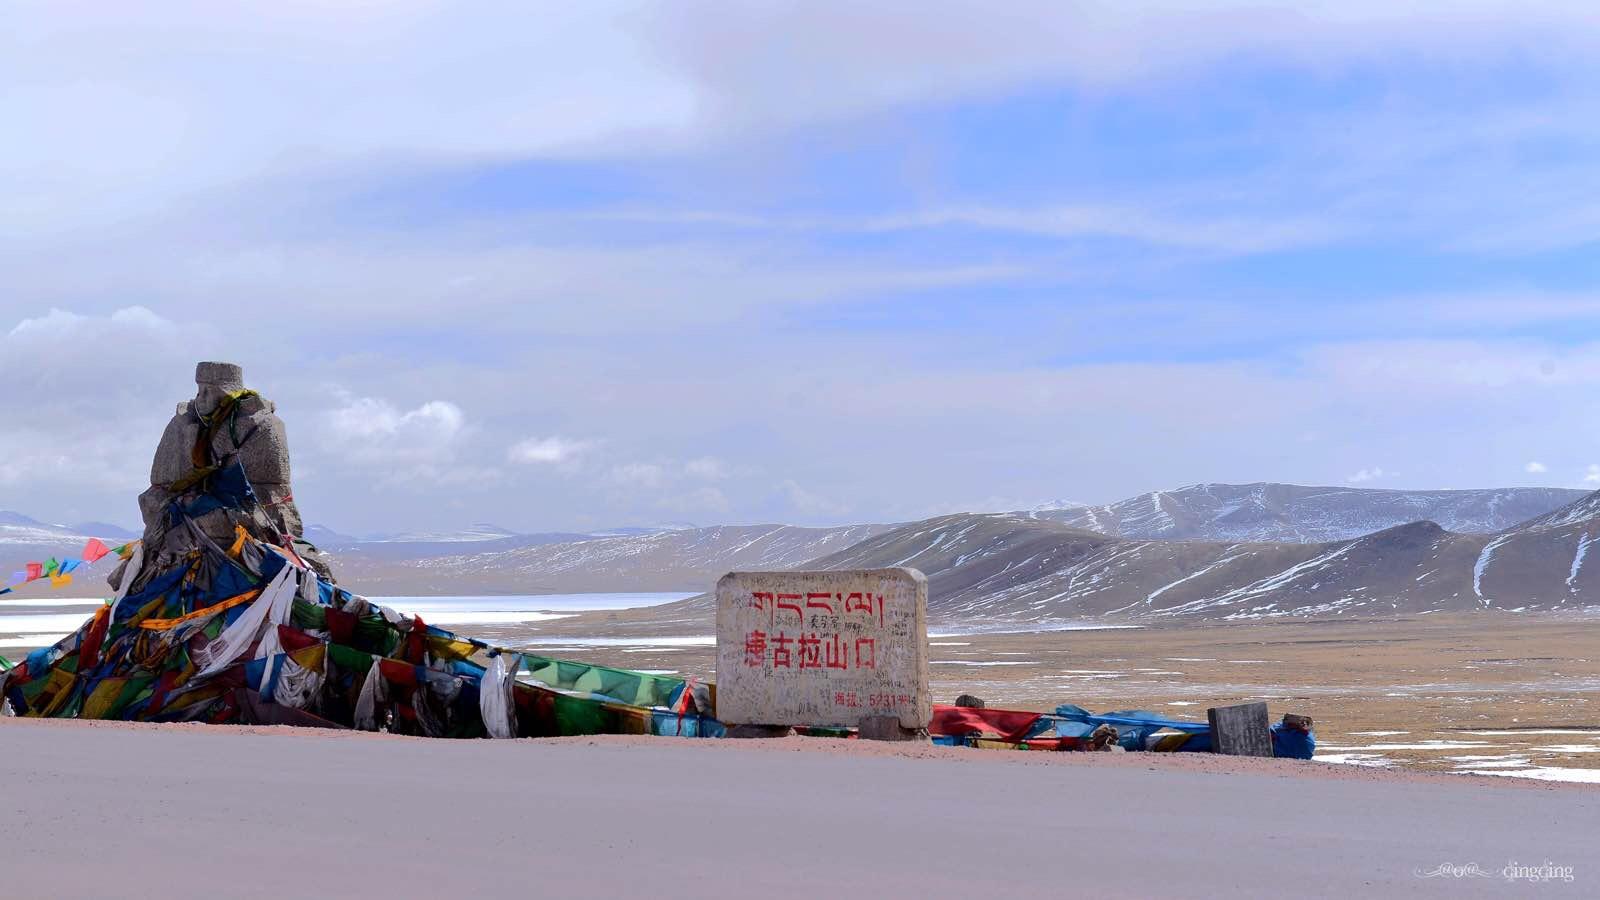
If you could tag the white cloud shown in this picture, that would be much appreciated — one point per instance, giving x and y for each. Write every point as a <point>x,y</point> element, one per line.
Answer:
<point>86,396</point>
<point>369,419</point>
<point>808,503</point>
<point>1536,468</point>
<point>547,451</point>
<point>399,446</point>
<point>1372,474</point>
<point>700,501</point>
<point>708,468</point>
<point>638,474</point>
<point>121,324</point>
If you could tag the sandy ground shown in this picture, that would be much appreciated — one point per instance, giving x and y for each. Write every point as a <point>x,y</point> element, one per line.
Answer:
<point>97,809</point>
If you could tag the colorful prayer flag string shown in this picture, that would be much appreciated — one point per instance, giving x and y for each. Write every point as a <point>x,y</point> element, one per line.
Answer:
<point>59,571</point>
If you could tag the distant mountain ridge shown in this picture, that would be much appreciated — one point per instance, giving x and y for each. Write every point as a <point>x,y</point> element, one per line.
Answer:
<point>1204,551</point>
<point>323,536</point>
<point>1287,512</point>
<point>678,560</point>
<point>1026,568</point>
<point>692,559</point>
<point>20,530</point>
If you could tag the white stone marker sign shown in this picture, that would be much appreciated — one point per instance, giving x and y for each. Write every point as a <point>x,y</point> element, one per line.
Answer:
<point>823,648</point>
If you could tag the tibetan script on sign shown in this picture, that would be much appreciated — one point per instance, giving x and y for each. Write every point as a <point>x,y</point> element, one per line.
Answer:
<point>823,648</point>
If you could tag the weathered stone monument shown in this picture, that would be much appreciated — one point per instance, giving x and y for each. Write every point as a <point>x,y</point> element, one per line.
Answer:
<point>1240,730</point>
<point>831,649</point>
<point>222,464</point>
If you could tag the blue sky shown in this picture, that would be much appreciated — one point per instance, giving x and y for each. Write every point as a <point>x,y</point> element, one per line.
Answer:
<point>573,268</point>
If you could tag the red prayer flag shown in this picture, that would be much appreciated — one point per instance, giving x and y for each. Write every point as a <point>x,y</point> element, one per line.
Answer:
<point>95,550</point>
<point>35,570</point>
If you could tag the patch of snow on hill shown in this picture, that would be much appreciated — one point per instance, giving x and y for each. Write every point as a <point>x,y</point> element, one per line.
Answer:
<point>1577,562</point>
<point>1482,565</point>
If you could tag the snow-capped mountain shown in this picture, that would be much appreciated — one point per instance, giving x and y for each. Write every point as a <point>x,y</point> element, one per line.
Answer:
<point>1021,567</point>
<point>1177,532</point>
<point>677,560</point>
<point>17,529</point>
<point>470,534</point>
<point>1206,551</point>
<point>1287,512</point>
<point>323,536</point>
<point>1056,506</point>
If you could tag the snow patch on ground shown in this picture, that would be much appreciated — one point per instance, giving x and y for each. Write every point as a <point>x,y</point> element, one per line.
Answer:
<point>694,640</point>
<point>1519,732</point>
<point>1548,773</point>
<point>1355,759</point>
<point>31,640</point>
<point>1425,745</point>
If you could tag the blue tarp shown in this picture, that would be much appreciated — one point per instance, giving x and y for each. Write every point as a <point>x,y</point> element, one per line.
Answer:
<point>1291,743</point>
<point>1134,727</point>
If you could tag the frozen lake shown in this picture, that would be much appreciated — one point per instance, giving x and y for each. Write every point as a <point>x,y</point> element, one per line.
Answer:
<point>506,610</point>
<point>22,624</point>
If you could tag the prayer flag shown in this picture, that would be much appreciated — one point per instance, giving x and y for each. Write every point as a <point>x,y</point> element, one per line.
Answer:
<point>124,552</point>
<point>69,565</point>
<point>62,580</point>
<point>35,570</point>
<point>19,577</point>
<point>94,550</point>
<point>5,590</point>
<point>50,566</point>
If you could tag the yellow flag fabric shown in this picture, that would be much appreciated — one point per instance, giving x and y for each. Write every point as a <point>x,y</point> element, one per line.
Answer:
<point>100,699</point>
<point>230,603</point>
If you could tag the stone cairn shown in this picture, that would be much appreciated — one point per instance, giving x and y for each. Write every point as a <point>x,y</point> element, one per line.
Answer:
<point>223,464</point>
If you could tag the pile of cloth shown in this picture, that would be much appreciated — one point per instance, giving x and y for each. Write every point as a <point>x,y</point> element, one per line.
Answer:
<point>1075,728</point>
<point>255,635</point>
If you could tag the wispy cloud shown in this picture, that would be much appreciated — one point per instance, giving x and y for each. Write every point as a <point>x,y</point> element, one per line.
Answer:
<point>547,450</point>
<point>706,467</point>
<point>638,474</point>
